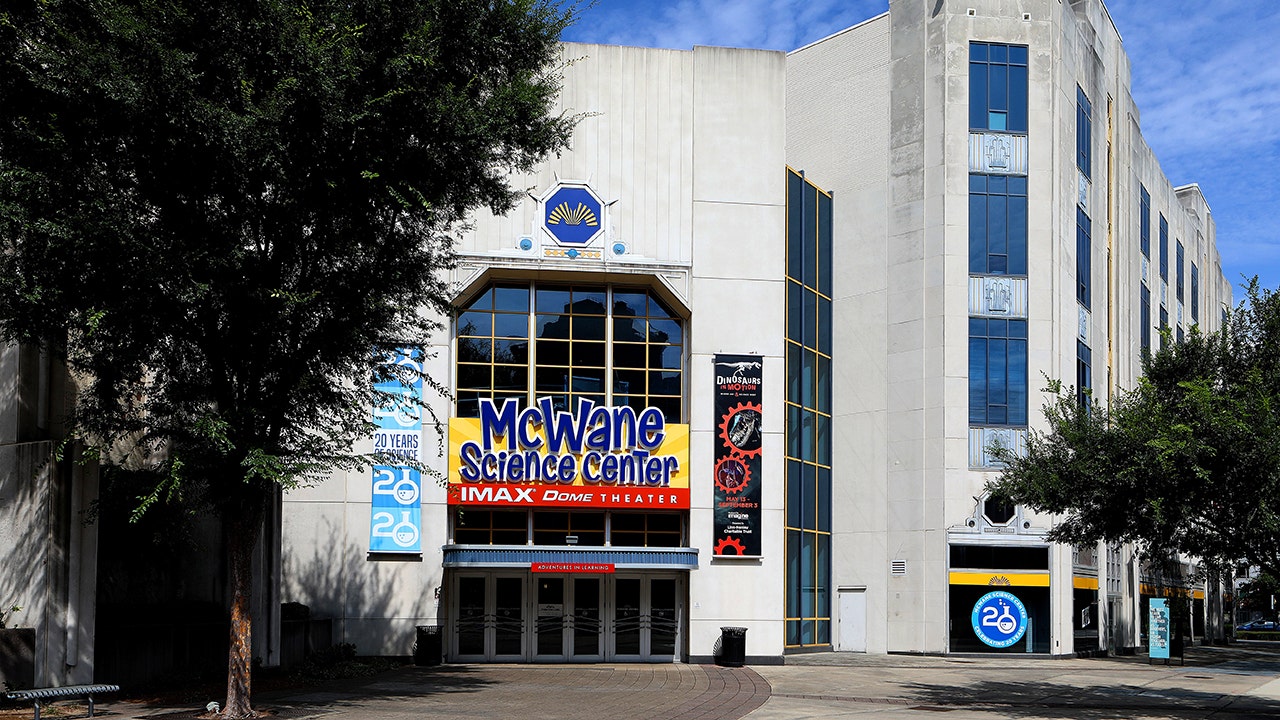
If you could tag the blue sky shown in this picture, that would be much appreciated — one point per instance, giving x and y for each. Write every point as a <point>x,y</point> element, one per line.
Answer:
<point>1206,78</point>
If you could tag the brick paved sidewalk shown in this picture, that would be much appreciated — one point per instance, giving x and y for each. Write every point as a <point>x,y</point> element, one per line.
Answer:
<point>523,692</point>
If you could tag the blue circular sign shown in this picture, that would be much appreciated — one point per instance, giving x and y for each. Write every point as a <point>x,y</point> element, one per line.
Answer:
<point>573,215</point>
<point>999,619</point>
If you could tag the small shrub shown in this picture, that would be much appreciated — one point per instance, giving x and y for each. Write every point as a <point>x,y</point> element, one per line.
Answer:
<point>340,662</point>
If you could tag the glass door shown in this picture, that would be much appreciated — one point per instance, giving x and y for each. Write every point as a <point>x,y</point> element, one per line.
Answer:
<point>468,639</point>
<point>664,620</point>
<point>626,619</point>
<point>549,634</point>
<point>646,619</point>
<point>489,618</point>
<point>587,625</point>
<point>508,618</point>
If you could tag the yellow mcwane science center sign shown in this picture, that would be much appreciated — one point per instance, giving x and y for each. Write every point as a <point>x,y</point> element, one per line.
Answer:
<point>597,456</point>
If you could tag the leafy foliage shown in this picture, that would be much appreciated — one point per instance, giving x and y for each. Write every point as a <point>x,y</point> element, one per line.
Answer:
<point>1257,595</point>
<point>219,211</point>
<point>1186,462</point>
<point>6,613</point>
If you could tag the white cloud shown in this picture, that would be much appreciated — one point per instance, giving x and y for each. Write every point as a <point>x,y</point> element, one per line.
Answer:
<point>768,24</point>
<point>1206,78</point>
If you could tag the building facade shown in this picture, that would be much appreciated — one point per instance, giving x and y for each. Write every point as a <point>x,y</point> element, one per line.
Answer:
<point>48,547</point>
<point>740,357</point>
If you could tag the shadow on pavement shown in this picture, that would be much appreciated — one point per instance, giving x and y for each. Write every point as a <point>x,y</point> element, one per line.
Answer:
<point>1034,699</point>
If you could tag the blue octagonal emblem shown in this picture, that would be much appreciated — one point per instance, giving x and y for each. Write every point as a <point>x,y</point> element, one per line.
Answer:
<point>573,215</point>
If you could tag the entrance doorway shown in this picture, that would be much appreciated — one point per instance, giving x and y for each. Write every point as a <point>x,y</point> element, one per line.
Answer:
<point>569,625</point>
<point>489,618</point>
<point>645,619</point>
<point>534,617</point>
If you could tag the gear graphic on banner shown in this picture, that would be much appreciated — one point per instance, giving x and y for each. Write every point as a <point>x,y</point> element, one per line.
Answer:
<point>740,429</point>
<point>732,475</point>
<point>724,545</point>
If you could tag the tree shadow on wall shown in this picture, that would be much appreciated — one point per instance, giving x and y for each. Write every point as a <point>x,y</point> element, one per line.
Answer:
<point>28,488</point>
<point>337,581</point>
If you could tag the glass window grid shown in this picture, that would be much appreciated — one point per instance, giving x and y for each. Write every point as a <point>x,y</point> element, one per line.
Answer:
<point>1114,568</point>
<point>491,527</point>
<point>555,527</point>
<point>1144,222</point>
<point>998,87</point>
<point>634,529</point>
<point>808,481</point>
<point>1084,133</point>
<point>576,324</point>
<point>997,225</point>
<point>476,526</point>
<point>997,372</point>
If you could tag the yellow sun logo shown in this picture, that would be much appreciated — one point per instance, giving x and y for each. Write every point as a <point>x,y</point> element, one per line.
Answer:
<point>574,216</point>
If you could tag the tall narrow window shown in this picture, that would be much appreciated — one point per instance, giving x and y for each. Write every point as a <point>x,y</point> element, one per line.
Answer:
<point>1144,222</point>
<point>1084,133</point>
<point>997,225</point>
<point>1177,268</point>
<point>1164,248</point>
<point>1195,294</point>
<point>1164,324</point>
<point>998,87</point>
<point>808,428</point>
<point>1145,318</point>
<point>1084,373</point>
<point>997,371</point>
<point>1083,261</point>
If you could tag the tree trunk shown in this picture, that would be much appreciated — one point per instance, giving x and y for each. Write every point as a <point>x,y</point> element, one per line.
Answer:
<point>241,538</point>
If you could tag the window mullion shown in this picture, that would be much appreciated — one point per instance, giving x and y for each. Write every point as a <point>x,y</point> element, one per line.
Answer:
<point>531,384</point>
<point>608,345</point>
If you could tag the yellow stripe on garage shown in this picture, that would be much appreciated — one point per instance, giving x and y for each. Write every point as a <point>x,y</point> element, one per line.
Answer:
<point>1084,583</point>
<point>1000,579</point>
<point>1170,592</point>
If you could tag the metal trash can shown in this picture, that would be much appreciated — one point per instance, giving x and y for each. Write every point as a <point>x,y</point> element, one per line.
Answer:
<point>426,647</point>
<point>733,647</point>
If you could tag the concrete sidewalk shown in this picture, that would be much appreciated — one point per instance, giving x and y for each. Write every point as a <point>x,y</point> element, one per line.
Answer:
<point>1236,682</point>
<point>1242,681</point>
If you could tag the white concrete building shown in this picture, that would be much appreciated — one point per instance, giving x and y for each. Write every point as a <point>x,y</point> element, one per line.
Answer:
<point>48,552</point>
<point>823,283</point>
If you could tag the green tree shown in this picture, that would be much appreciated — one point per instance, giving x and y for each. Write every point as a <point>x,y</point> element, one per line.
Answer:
<point>1258,595</point>
<point>1186,462</point>
<point>217,211</point>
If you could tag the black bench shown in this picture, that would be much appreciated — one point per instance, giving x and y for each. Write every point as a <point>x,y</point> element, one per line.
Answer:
<point>61,693</point>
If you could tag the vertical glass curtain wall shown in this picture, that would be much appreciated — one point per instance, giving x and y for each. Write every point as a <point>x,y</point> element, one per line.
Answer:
<point>808,523</point>
<point>1144,246</point>
<point>1084,239</point>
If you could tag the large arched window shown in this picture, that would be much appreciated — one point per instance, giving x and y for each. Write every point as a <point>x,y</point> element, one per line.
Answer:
<point>611,345</point>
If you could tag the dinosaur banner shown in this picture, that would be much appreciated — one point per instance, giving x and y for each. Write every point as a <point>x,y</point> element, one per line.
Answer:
<point>739,438</point>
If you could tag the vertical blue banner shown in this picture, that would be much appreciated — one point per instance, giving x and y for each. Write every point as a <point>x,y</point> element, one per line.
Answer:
<point>395,523</point>
<point>1158,629</point>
